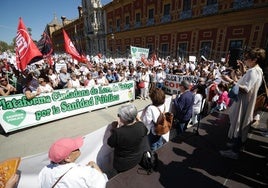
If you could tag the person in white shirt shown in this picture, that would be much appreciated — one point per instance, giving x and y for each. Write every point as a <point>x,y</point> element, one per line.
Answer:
<point>101,79</point>
<point>89,81</point>
<point>73,82</point>
<point>160,78</point>
<point>150,115</point>
<point>197,103</point>
<point>122,76</point>
<point>44,87</point>
<point>53,78</point>
<point>64,172</point>
<point>145,77</point>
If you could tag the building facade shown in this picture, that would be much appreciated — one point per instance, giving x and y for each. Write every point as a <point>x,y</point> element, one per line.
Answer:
<point>174,28</point>
<point>179,28</point>
<point>87,32</point>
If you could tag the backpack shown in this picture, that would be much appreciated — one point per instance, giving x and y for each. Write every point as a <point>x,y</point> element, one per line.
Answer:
<point>149,161</point>
<point>164,122</point>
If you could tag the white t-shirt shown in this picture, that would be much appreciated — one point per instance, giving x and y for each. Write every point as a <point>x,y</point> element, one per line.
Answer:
<point>45,89</point>
<point>101,81</point>
<point>77,176</point>
<point>75,83</point>
<point>149,117</point>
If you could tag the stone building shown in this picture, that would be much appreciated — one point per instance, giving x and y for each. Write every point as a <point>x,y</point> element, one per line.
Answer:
<point>179,28</point>
<point>175,28</point>
<point>86,32</point>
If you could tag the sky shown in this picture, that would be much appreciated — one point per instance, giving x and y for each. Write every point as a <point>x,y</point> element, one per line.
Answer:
<point>36,14</point>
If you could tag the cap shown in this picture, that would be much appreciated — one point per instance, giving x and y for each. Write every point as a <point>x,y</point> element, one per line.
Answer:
<point>63,147</point>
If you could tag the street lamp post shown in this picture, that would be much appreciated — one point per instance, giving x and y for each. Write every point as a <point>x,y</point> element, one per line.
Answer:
<point>112,37</point>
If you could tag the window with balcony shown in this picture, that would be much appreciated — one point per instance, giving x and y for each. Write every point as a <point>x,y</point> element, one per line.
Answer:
<point>166,16</point>
<point>127,23</point>
<point>212,2</point>
<point>211,8</point>
<point>150,46</point>
<point>182,50</point>
<point>235,44</point>
<point>164,50</point>
<point>205,49</point>
<point>187,5</point>
<point>186,10</point>
<point>110,28</point>
<point>137,20</point>
<point>118,25</point>
<point>240,4</point>
<point>150,20</point>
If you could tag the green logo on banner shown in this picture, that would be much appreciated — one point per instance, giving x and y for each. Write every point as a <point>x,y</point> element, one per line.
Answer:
<point>14,118</point>
<point>134,50</point>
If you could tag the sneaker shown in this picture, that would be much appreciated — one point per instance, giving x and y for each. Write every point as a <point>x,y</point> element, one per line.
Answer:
<point>229,154</point>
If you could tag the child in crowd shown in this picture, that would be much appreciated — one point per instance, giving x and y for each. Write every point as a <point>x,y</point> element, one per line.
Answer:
<point>223,100</point>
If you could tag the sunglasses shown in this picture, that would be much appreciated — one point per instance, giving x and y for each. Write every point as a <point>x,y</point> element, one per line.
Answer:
<point>3,80</point>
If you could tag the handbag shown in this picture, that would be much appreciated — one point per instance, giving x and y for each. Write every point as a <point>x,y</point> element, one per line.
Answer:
<point>262,98</point>
<point>141,84</point>
<point>164,122</point>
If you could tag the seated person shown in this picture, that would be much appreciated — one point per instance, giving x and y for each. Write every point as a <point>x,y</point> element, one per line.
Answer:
<point>110,77</point>
<point>128,138</point>
<point>73,82</point>
<point>6,88</point>
<point>64,172</point>
<point>44,87</point>
<point>101,79</point>
<point>30,89</point>
<point>89,81</point>
<point>64,76</point>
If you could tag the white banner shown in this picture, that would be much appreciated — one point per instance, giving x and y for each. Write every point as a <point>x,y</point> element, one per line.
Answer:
<point>137,52</point>
<point>95,148</point>
<point>17,112</point>
<point>172,82</point>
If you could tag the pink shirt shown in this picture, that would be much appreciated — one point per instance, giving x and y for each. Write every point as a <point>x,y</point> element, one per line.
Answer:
<point>224,98</point>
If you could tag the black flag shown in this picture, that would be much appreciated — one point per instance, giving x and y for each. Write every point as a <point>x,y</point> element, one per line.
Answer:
<point>45,44</point>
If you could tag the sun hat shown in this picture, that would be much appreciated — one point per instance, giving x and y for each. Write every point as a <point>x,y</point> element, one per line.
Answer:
<point>63,147</point>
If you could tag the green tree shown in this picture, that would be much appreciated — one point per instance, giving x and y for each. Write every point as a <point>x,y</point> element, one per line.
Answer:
<point>4,46</point>
<point>29,31</point>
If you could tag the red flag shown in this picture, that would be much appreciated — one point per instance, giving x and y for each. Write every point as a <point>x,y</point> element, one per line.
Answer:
<point>26,49</point>
<point>146,62</point>
<point>154,57</point>
<point>70,48</point>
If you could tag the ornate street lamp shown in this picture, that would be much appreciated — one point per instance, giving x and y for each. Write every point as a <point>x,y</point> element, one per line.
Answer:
<point>112,37</point>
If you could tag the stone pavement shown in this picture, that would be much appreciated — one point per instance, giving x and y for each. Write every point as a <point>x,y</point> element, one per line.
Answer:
<point>192,160</point>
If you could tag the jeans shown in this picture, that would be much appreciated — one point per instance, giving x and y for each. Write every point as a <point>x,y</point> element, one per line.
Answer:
<point>160,85</point>
<point>181,126</point>
<point>155,141</point>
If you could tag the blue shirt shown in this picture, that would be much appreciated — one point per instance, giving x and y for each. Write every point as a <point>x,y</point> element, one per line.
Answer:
<point>184,106</point>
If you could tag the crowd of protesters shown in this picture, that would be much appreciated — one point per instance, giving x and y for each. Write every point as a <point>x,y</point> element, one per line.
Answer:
<point>214,82</point>
<point>41,78</point>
